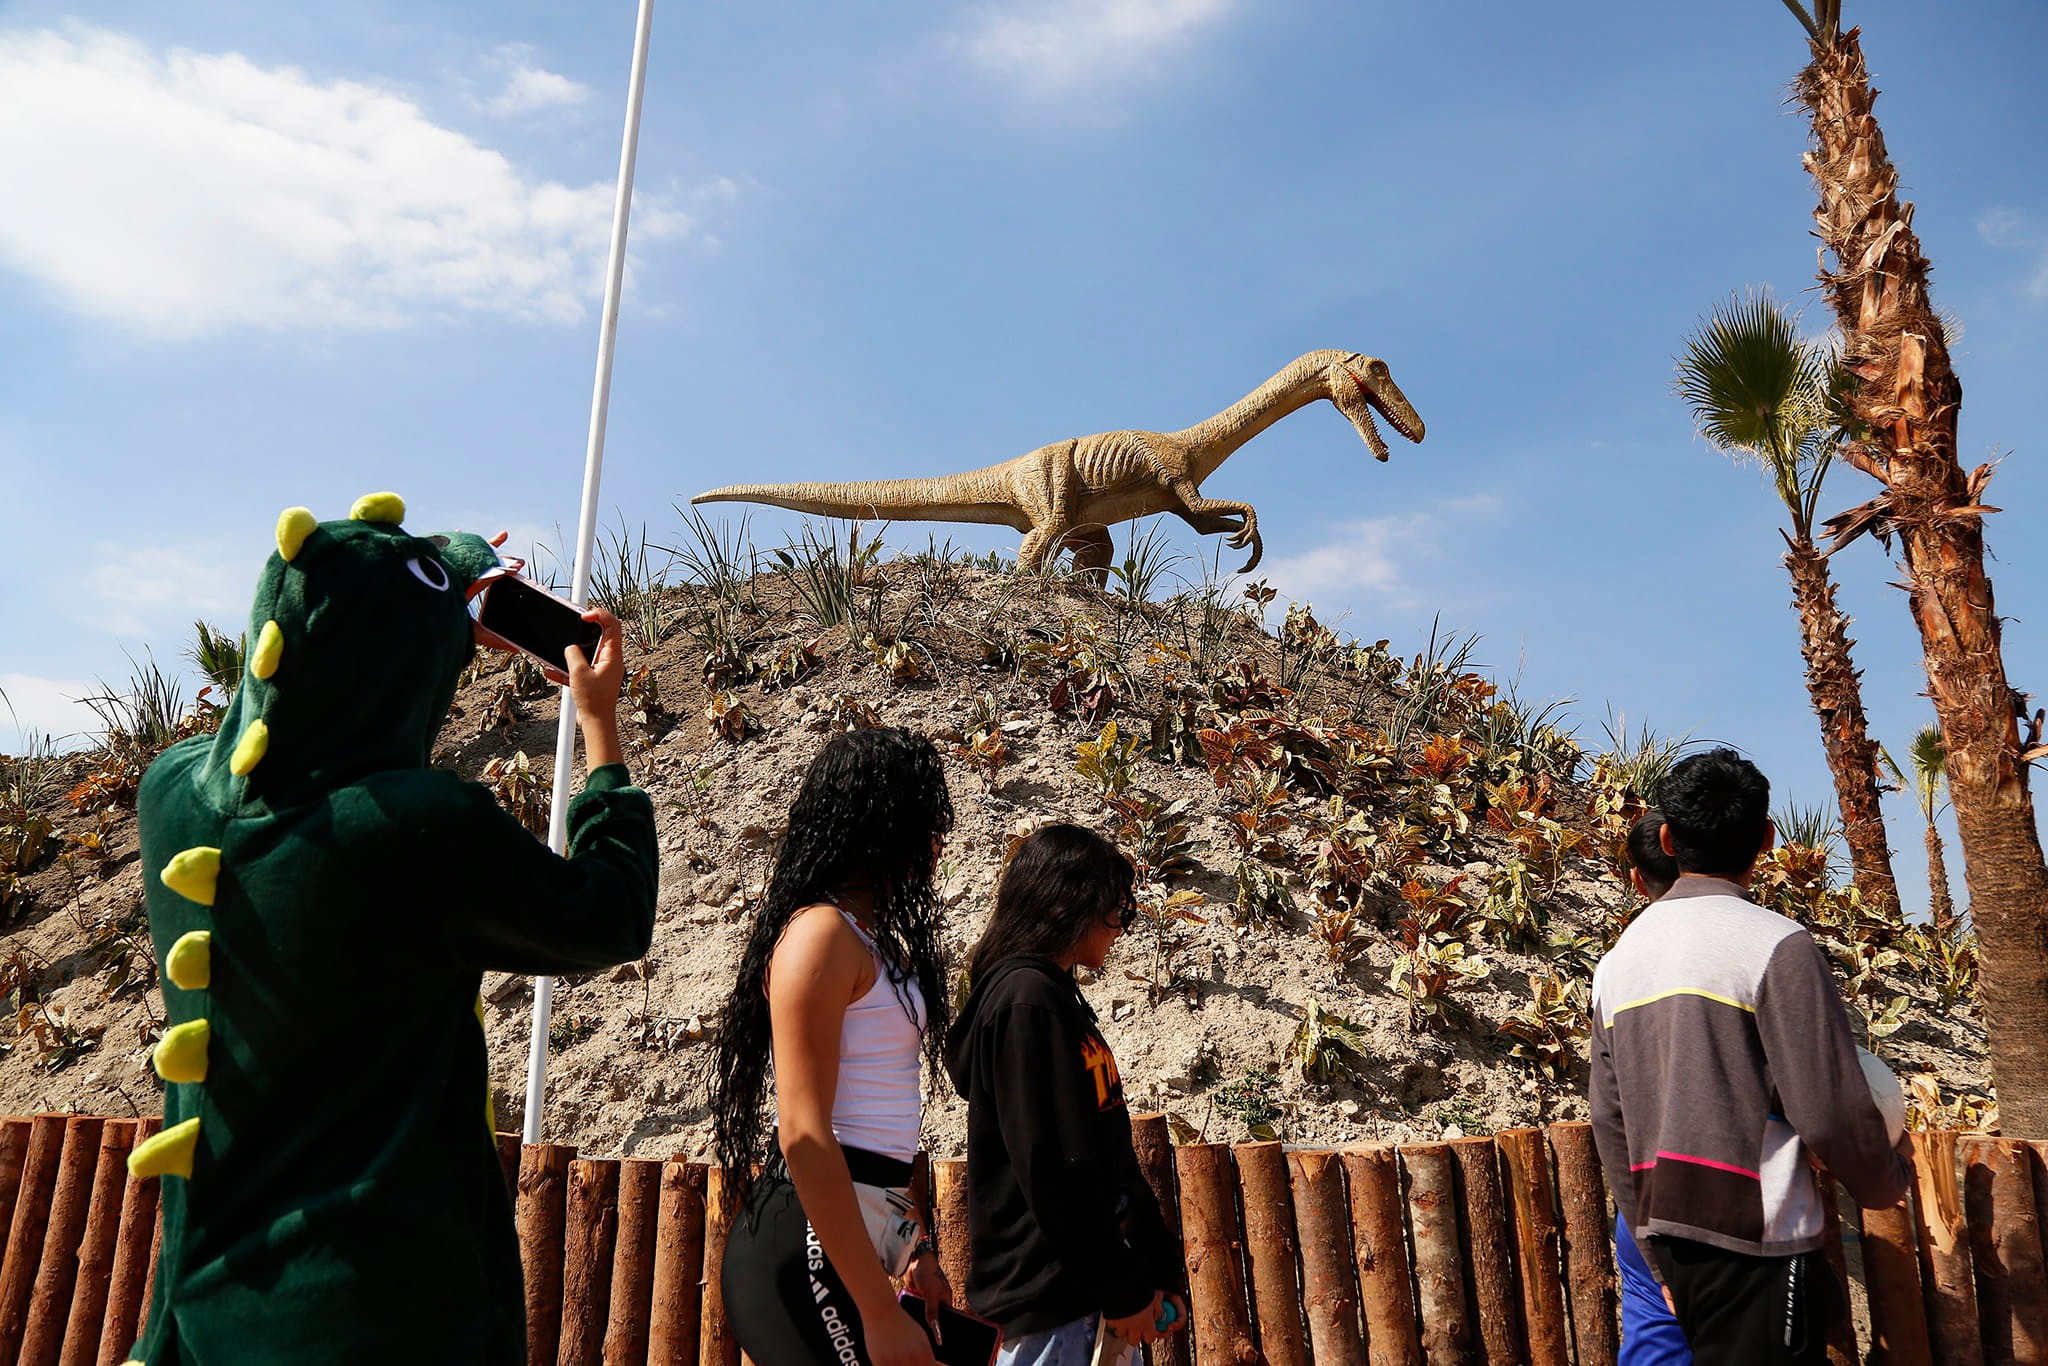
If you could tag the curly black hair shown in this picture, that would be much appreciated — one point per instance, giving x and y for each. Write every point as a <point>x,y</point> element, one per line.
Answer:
<point>1717,806</point>
<point>871,807</point>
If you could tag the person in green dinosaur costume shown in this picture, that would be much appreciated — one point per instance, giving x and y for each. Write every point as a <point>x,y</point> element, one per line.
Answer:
<point>323,904</point>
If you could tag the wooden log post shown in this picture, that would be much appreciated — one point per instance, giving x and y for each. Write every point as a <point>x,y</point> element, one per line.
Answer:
<point>2005,1250</point>
<point>1489,1265</point>
<point>1152,1137</point>
<point>1590,1279</point>
<point>949,1209</point>
<point>1272,1260</point>
<point>1209,1237</point>
<point>96,1246</point>
<point>134,1250</point>
<point>716,1345</point>
<point>590,1233</point>
<point>625,1334</point>
<point>1891,1272</point>
<point>1946,1276</point>
<point>508,1159</point>
<point>1329,1277</point>
<point>541,1210</point>
<point>25,1233</point>
<point>49,1307</point>
<point>1379,1239</point>
<point>676,1304</point>
<point>1447,1332</point>
<point>1841,1329</point>
<point>13,1154</point>
<point>1532,1200</point>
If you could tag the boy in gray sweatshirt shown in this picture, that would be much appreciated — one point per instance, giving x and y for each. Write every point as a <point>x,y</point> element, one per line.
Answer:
<point>1722,1058</point>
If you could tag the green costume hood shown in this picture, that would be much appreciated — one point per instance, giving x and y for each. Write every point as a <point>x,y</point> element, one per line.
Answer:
<point>360,632</point>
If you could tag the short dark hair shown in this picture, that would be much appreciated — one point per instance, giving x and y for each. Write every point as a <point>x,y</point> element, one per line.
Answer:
<point>1717,806</point>
<point>1646,853</point>
<point>1062,880</point>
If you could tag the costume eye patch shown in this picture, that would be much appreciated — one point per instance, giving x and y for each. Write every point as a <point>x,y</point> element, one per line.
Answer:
<point>429,571</point>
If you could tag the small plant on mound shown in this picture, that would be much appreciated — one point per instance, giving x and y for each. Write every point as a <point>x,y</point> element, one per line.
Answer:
<point>1109,762</point>
<point>1327,1047</point>
<point>1249,1101</point>
<point>1512,910</point>
<point>1927,1108</point>
<point>983,748</point>
<point>844,712</point>
<point>1165,916</point>
<point>1544,1030</point>
<point>136,726</point>
<point>520,790</point>
<point>1086,674</point>
<point>1434,961</point>
<point>1340,934</point>
<point>896,658</point>
<point>218,656</point>
<point>729,717</point>
<point>1155,830</point>
<point>791,664</point>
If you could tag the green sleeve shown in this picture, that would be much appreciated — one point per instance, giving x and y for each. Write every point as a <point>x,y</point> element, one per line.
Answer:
<point>516,906</point>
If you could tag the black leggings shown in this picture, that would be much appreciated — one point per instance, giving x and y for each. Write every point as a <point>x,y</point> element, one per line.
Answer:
<point>785,1303</point>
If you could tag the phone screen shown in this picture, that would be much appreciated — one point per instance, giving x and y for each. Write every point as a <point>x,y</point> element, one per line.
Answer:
<point>969,1341</point>
<point>537,622</point>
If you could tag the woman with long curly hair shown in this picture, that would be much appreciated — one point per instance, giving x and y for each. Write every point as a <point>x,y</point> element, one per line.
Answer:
<point>842,989</point>
<point>1070,1253</point>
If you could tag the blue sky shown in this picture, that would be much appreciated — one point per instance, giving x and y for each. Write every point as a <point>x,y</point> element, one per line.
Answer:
<point>253,256</point>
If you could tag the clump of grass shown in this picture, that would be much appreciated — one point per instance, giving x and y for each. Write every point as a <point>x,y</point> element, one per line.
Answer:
<point>625,582</point>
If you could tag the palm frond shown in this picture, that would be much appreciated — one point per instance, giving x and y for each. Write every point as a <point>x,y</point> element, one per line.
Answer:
<point>1758,391</point>
<point>1929,755</point>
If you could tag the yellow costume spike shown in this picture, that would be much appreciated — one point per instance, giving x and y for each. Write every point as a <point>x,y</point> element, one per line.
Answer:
<point>269,649</point>
<point>378,507</point>
<point>181,1054</point>
<point>166,1154</point>
<point>249,749</point>
<point>194,873</point>
<point>189,964</point>
<point>294,525</point>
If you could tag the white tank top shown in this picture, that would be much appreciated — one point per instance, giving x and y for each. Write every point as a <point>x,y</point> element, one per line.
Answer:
<point>879,1103</point>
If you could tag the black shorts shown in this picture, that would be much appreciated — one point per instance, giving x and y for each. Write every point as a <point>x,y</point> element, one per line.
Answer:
<point>785,1303</point>
<point>1738,1310</point>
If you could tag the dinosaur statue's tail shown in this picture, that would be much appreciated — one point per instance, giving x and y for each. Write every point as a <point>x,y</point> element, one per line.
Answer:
<point>882,500</point>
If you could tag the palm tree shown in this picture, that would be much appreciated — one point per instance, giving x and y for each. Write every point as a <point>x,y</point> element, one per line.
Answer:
<point>1760,393</point>
<point>1906,399</point>
<point>1930,767</point>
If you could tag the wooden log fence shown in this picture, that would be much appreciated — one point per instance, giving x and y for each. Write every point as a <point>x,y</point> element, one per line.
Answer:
<point>1482,1250</point>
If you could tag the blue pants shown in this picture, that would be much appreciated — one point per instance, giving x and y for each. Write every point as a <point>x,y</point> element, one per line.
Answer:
<point>1649,1335</point>
<point>1067,1345</point>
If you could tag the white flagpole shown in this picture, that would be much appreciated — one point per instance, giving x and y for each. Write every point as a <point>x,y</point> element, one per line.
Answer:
<point>586,533</point>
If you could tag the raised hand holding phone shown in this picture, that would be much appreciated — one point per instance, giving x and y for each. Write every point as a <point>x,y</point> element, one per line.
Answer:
<point>594,687</point>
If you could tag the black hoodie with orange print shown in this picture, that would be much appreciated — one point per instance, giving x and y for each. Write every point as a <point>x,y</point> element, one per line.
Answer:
<point>1062,1222</point>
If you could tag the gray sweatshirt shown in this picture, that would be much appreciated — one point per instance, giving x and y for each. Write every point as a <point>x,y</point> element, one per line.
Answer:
<point>1721,1057</point>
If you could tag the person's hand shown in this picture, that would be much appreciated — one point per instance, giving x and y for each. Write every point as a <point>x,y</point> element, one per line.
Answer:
<point>1669,1303</point>
<point>894,1339</point>
<point>928,1282</point>
<point>1180,1306</point>
<point>594,686</point>
<point>1141,1327</point>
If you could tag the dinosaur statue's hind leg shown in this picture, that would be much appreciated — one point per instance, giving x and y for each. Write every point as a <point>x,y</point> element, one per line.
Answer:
<point>1094,552</point>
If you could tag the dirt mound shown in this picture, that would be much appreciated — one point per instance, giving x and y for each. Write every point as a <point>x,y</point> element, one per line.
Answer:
<point>1374,887</point>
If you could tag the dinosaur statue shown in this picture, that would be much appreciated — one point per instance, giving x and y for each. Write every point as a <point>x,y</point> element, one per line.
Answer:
<point>324,904</point>
<point>1066,495</point>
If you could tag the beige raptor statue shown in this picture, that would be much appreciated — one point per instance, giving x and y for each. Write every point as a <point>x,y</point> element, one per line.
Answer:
<point>1068,494</point>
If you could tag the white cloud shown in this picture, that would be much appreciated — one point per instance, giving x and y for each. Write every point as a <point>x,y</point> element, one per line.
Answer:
<point>529,88</point>
<point>1369,562</point>
<point>145,590</point>
<point>2009,230</point>
<point>45,708</point>
<point>1050,48</point>
<point>185,193</point>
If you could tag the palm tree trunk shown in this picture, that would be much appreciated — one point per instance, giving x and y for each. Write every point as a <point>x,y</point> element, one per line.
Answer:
<point>1908,398</point>
<point>1941,907</point>
<point>1832,683</point>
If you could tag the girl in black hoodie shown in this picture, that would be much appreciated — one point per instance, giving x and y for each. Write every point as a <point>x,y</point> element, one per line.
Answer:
<point>1066,1233</point>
